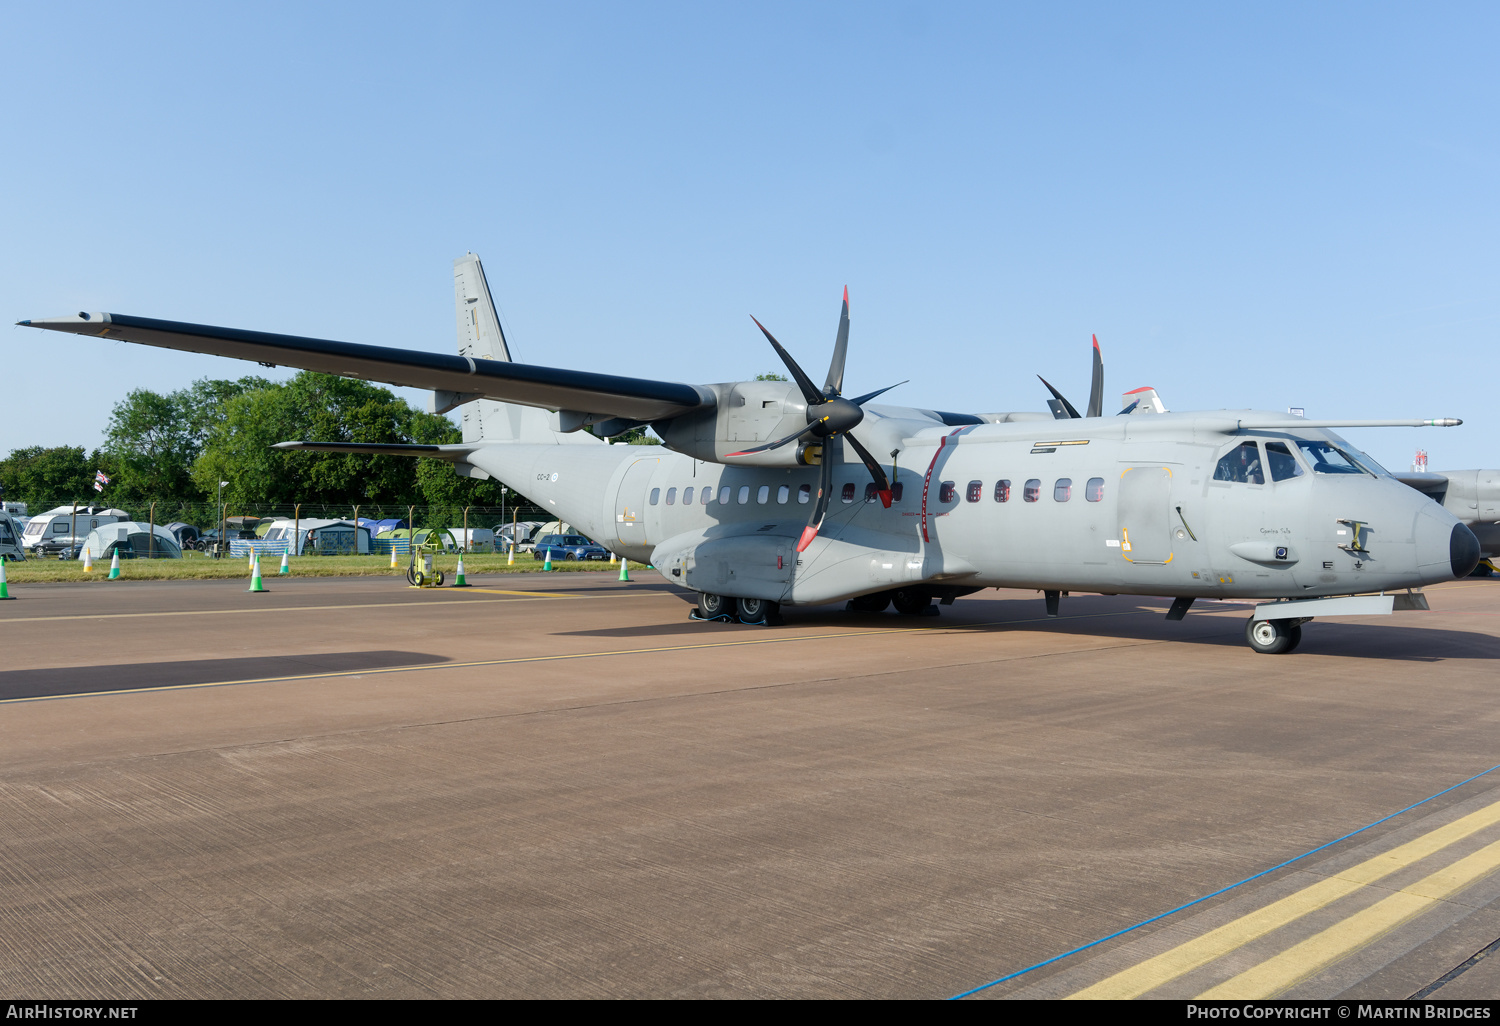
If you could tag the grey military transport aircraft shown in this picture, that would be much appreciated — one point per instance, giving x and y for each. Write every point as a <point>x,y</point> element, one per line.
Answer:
<point>772,493</point>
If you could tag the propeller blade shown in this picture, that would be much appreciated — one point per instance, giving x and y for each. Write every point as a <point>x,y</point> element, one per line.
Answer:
<point>1096,390</point>
<point>809,390</point>
<point>1072,412</point>
<point>835,383</point>
<point>776,444</point>
<point>882,483</point>
<point>871,395</point>
<point>820,504</point>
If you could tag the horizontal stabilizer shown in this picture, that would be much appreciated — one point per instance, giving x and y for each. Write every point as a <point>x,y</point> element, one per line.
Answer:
<point>550,388</point>
<point>452,453</point>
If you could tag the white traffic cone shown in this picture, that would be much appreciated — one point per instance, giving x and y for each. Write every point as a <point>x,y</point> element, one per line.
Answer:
<point>393,555</point>
<point>255,585</point>
<point>284,568</point>
<point>88,561</point>
<point>114,567</point>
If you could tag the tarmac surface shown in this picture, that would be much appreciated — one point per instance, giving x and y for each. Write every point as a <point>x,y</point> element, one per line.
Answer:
<point>559,786</point>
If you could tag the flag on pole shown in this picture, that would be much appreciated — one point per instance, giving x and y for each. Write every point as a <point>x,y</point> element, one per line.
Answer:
<point>100,480</point>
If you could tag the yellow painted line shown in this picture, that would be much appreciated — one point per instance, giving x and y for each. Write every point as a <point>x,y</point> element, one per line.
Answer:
<point>529,594</point>
<point>1163,968</point>
<point>1300,961</point>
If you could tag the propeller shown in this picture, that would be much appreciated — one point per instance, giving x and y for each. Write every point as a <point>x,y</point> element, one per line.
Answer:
<point>1064,410</point>
<point>830,417</point>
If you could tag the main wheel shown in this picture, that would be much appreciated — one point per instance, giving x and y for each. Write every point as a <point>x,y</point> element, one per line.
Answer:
<point>911,601</point>
<point>1273,637</point>
<point>754,610</point>
<point>875,603</point>
<point>713,606</point>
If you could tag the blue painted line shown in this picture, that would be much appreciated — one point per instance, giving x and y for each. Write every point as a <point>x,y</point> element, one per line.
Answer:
<point>1221,890</point>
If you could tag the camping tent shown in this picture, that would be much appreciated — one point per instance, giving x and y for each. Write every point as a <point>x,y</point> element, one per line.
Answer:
<point>323,537</point>
<point>132,540</point>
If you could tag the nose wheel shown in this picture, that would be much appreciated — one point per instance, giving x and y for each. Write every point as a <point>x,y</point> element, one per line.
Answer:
<point>1273,637</point>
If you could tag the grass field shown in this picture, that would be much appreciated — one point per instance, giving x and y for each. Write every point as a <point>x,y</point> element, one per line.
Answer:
<point>197,566</point>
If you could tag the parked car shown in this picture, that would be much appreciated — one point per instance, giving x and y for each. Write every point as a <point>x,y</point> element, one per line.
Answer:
<point>523,533</point>
<point>568,546</point>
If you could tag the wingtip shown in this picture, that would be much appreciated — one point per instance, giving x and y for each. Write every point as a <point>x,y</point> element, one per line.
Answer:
<point>23,324</point>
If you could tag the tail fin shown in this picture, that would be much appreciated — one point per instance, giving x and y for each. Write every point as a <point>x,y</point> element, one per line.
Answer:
<point>479,331</point>
<point>481,338</point>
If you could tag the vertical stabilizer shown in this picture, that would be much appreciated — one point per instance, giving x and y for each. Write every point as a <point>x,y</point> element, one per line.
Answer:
<point>480,337</point>
<point>479,331</point>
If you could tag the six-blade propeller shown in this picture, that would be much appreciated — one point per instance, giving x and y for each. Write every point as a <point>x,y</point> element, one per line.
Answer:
<point>830,418</point>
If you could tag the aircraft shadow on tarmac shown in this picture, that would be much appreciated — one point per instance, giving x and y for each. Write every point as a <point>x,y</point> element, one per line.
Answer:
<point>1110,617</point>
<point>85,680</point>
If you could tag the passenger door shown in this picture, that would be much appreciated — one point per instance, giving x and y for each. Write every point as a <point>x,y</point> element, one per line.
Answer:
<point>630,504</point>
<point>1145,514</point>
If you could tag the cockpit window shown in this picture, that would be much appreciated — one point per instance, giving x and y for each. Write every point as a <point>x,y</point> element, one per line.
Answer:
<point>1241,464</point>
<point>1364,460</point>
<point>1283,464</point>
<point>1327,458</point>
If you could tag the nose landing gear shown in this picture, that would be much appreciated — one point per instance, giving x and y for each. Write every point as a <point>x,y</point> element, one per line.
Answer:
<point>1273,637</point>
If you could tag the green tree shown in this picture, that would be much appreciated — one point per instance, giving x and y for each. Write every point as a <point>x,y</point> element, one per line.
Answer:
<point>45,475</point>
<point>773,376</point>
<point>154,439</point>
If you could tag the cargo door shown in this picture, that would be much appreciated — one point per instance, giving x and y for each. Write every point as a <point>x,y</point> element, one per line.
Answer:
<point>630,504</point>
<point>1145,514</point>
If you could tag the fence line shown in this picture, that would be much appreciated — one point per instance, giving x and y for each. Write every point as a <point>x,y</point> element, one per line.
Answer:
<point>206,515</point>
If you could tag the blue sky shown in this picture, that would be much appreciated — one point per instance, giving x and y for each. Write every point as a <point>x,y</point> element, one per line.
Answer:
<point>1261,206</point>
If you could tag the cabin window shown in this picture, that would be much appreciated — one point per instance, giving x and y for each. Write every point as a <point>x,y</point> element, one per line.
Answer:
<point>1283,464</point>
<point>744,494</point>
<point>1241,465</point>
<point>655,496</point>
<point>804,493</point>
<point>848,493</point>
<point>687,496</point>
<point>1094,490</point>
<point>763,495</point>
<point>1062,490</point>
<point>708,495</point>
<point>671,496</point>
<point>872,492</point>
<point>947,491</point>
<point>783,493</point>
<point>896,490</point>
<point>976,489</point>
<point>1002,490</point>
<point>724,495</point>
<point>1033,490</point>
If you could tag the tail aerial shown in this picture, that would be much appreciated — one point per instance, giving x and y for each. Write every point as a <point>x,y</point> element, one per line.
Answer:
<point>480,337</point>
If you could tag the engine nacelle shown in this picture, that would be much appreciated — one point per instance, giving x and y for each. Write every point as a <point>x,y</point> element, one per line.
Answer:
<point>748,413</point>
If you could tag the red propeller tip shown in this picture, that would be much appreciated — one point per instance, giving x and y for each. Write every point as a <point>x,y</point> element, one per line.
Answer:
<point>808,534</point>
<point>885,498</point>
<point>1096,341</point>
<point>846,295</point>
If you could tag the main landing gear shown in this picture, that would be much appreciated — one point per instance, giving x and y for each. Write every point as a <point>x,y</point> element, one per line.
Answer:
<point>758,612</point>
<point>1273,637</point>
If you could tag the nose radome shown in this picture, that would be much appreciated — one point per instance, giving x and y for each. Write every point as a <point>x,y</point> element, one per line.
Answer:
<point>1463,551</point>
<point>1439,534</point>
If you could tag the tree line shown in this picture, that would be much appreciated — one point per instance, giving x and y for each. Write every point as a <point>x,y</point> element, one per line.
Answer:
<point>177,447</point>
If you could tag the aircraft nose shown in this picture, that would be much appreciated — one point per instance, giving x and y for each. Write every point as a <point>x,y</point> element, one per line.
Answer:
<point>1446,549</point>
<point>1463,551</point>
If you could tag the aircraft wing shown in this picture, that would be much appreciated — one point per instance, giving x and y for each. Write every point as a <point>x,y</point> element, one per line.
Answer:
<point>1422,481</point>
<point>551,388</point>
